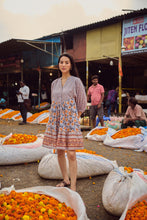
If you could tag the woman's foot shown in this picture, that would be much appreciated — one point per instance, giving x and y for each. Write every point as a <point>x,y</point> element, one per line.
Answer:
<point>63,184</point>
<point>73,187</point>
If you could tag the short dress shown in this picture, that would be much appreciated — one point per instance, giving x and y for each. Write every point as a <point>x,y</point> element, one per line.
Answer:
<point>63,128</point>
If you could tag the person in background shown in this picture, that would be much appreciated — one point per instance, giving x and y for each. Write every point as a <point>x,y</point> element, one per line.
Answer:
<point>96,94</point>
<point>23,94</point>
<point>2,103</point>
<point>44,94</point>
<point>111,101</point>
<point>63,129</point>
<point>134,115</point>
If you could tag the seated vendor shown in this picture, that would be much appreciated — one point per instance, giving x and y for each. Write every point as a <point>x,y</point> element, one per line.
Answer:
<point>134,115</point>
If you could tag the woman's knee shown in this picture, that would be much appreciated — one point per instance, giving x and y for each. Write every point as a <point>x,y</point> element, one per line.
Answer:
<point>61,153</point>
<point>71,154</point>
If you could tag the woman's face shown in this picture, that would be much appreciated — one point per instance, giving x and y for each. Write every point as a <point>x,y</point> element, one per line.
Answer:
<point>64,65</point>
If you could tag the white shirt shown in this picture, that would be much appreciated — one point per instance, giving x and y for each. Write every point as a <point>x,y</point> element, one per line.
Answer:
<point>25,93</point>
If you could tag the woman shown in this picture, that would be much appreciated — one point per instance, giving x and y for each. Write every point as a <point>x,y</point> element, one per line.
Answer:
<point>134,115</point>
<point>63,128</point>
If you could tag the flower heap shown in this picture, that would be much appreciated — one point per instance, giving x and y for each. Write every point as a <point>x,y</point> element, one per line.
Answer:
<point>138,211</point>
<point>33,206</point>
<point>126,132</point>
<point>4,110</point>
<point>36,115</point>
<point>9,115</point>
<point>2,136</point>
<point>20,139</point>
<point>44,121</point>
<point>89,152</point>
<point>130,170</point>
<point>100,131</point>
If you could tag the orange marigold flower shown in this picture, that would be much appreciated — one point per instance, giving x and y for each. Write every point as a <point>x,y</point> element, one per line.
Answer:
<point>100,131</point>
<point>126,132</point>
<point>138,211</point>
<point>28,205</point>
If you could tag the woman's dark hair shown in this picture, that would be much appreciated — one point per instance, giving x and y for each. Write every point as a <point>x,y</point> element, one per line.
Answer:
<point>73,71</point>
<point>133,101</point>
<point>94,77</point>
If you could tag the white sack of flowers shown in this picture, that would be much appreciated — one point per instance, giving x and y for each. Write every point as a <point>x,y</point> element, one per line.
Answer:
<point>116,190</point>
<point>22,153</point>
<point>19,117</point>
<point>93,135</point>
<point>138,192</point>
<point>87,165</point>
<point>69,197</point>
<point>134,142</point>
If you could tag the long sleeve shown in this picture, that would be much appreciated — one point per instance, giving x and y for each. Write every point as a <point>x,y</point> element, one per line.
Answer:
<point>81,99</point>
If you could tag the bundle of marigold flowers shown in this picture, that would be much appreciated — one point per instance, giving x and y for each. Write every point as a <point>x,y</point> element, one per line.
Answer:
<point>130,170</point>
<point>4,110</point>
<point>2,136</point>
<point>36,115</point>
<point>33,206</point>
<point>20,139</point>
<point>9,115</point>
<point>99,131</point>
<point>138,211</point>
<point>44,121</point>
<point>126,132</point>
<point>88,152</point>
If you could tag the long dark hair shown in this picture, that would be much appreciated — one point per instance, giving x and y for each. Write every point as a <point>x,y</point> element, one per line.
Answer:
<point>73,71</point>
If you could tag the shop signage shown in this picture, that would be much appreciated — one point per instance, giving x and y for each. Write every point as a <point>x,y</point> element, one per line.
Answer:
<point>134,35</point>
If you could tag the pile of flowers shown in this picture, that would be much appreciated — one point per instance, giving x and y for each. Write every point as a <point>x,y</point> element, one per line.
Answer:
<point>138,211</point>
<point>126,132</point>
<point>4,110</point>
<point>44,121</point>
<point>2,136</point>
<point>89,152</point>
<point>100,131</point>
<point>20,139</point>
<point>9,115</point>
<point>36,115</point>
<point>29,206</point>
<point>130,170</point>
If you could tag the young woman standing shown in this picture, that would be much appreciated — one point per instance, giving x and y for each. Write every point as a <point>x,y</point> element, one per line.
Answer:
<point>63,128</point>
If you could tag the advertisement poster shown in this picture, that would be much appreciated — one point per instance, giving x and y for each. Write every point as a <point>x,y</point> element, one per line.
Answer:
<point>134,35</point>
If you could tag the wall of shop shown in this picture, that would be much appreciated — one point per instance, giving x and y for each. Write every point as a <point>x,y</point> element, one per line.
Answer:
<point>103,41</point>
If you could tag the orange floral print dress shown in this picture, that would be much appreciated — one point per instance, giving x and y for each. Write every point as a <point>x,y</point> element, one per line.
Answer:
<point>63,128</point>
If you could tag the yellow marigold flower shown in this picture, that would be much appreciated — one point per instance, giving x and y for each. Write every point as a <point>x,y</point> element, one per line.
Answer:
<point>40,217</point>
<point>30,199</point>
<point>25,194</point>
<point>6,217</point>
<point>37,196</point>
<point>4,204</point>
<point>50,211</point>
<point>93,183</point>
<point>9,206</point>
<point>1,195</point>
<point>26,217</point>
<point>43,210</point>
<point>59,205</point>
<point>41,203</point>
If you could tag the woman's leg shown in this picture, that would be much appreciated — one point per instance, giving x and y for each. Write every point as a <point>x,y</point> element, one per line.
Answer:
<point>62,164</point>
<point>71,154</point>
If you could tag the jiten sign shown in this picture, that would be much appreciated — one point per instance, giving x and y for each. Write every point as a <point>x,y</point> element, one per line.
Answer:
<point>134,34</point>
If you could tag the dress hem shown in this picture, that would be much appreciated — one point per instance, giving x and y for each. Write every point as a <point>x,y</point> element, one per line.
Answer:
<point>63,148</point>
